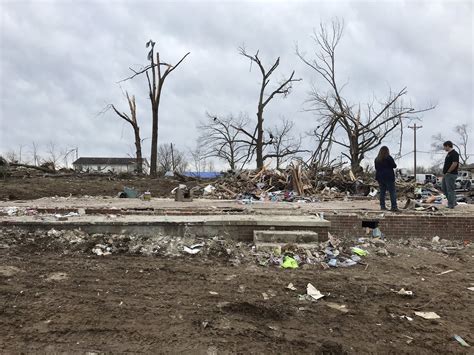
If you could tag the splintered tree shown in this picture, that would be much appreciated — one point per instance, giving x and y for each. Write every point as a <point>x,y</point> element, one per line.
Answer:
<point>358,130</point>
<point>156,73</point>
<point>222,138</point>
<point>132,119</point>
<point>255,137</point>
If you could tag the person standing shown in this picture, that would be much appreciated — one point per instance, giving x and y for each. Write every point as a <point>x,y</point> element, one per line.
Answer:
<point>450,173</point>
<point>384,165</point>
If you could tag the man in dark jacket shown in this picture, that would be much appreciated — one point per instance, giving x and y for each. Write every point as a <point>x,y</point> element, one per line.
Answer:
<point>384,165</point>
<point>450,172</point>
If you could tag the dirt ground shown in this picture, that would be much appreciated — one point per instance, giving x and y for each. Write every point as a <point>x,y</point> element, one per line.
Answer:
<point>55,298</point>
<point>81,185</point>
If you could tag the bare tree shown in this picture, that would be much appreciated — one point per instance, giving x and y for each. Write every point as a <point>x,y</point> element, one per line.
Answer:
<point>362,129</point>
<point>198,155</point>
<point>11,156</point>
<point>284,145</point>
<point>171,159</point>
<point>462,132</point>
<point>255,137</point>
<point>132,119</point>
<point>460,142</point>
<point>222,138</point>
<point>53,155</point>
<point>156,77</point>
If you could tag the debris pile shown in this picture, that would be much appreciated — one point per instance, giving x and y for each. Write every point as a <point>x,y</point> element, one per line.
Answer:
<point>334,253</point>
<point>294,184</point>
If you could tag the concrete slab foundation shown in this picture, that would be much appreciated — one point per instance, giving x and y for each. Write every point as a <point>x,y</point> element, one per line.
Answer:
<point>237,227</point>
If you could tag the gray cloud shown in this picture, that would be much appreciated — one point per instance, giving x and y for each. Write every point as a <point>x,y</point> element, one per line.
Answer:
<point>60,62</point>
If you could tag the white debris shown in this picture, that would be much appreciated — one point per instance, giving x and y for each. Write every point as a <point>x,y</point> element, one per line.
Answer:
<point>427,315</point>
<point>313,292</point>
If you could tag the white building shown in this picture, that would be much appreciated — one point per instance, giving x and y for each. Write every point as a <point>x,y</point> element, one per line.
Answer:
<point>106,165</point>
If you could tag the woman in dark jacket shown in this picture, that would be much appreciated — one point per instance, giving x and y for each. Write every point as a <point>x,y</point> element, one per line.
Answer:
<point>384,165</point>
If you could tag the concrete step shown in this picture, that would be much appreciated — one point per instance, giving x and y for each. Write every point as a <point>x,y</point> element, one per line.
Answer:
<point>285,236</point>
<point>270,247</point>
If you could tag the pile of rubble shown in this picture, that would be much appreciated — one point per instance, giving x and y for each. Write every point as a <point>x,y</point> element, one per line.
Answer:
<point>292,185</point>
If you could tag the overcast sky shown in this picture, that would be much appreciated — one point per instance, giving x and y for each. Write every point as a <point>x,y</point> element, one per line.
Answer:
<point>60,62</point>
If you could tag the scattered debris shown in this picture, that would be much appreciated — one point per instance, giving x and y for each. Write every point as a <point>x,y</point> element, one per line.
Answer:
<point>445,272</point>
<point>403,292</point>
<point>213,293</point>
<point>193,249</point>
<point>427,315</point>
<point>313,292</point>
<point>9,211</point>
<point>461,341</point>
<point>182,194</point>
<point>101,250</point>
<point>128,193</point>
<point>340,307</point>
<point>291,287</point>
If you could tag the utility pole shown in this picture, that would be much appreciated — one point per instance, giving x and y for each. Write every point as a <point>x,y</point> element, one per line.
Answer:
<point>414,128</point>
<point>172,158</point>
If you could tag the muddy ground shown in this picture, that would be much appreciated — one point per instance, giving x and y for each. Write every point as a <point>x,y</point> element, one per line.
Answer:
<point>55,298</point>
<point>34,187</point>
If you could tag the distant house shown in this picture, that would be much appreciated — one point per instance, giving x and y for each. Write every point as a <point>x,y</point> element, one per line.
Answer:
<point>105,165</point>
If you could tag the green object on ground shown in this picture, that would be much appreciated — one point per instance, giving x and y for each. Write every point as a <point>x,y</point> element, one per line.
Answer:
<point>289,263</point>
<point>359,251</point>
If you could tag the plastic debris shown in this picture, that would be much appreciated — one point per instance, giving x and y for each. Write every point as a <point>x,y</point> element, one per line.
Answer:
<point>332,263</point>
<point>470,288</point>
<point>359,251</point>
<point>128,193</point>
<point>347,263</point>
<point>209,189</point>
<point>340,307</point>
<point>11,211</point>
<point>427,315</point>
<point>213,293</point>
<point>291,287</point>
<point>377,233</point>
<point>193,249</point>
<point>373,192</point>
<point>289,263</point>
<point>404,292</point>
<point>101,250</point>
<point>461,341</point>
<point>265,296</point>
<point>313,292</point>
<point>445,272</point>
